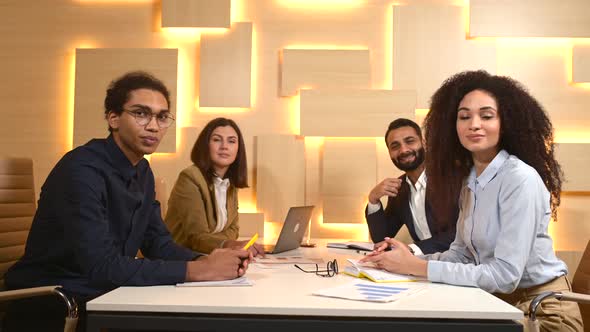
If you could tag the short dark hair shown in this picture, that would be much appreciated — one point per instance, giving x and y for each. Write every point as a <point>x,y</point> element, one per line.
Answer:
<point>402,122</point>
<point>119,89</point>
<point>200,156</point>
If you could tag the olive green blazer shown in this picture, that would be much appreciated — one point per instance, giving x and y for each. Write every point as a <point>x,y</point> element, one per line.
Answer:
<point>192,212</point>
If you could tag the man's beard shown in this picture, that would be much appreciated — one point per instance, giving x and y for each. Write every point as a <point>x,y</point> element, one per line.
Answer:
<point>412,165</point>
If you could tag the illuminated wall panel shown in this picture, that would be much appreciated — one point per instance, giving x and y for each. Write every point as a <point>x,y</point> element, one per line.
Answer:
<point>324,69</point>
<point>196,13</point>
<point>429,45</point>
<point>280,175</point>
<point>95,68</point>
<point>226,68</point>
<point>353,113</point>
<point>581,64</point>
<point>251,223</point>
<point>574,160</point>
<point>529,18</point>
<point>548,79</point>
<point>348,175</point>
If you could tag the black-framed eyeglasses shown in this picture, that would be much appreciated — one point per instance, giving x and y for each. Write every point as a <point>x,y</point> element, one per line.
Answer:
<point>143,117</point>
<point>330,271</point>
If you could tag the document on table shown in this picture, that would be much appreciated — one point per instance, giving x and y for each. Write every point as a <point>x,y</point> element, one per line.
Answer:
<point>272,259</point>
<point>372,273</point>
<point>241,281</point>
<point>363,290</point>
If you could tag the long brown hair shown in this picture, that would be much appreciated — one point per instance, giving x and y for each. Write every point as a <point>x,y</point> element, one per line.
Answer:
<point>237,172</point>
<point>525,131</point>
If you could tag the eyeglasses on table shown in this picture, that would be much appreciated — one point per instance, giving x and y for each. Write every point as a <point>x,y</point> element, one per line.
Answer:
<point>330,271</point>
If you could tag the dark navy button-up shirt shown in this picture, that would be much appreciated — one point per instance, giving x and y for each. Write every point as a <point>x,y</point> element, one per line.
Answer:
<point>95,211</point>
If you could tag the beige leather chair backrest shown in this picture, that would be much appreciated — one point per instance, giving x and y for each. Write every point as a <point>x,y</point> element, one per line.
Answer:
<point>17,208</point>
<point>581,284</point>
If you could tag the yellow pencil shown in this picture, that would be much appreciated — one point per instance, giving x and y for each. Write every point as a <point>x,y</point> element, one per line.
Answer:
<point>251,242</point>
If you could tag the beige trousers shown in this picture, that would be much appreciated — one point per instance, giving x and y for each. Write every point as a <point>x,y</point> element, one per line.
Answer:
<point>553,315</point>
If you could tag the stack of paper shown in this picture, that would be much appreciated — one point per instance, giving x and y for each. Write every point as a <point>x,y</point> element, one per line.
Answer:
<point>368,291</point>
<point>375,274</point>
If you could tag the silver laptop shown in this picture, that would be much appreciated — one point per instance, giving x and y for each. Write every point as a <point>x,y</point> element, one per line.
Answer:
<point>293,230</point>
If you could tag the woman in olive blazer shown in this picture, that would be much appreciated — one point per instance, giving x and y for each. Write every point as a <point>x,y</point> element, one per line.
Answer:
<point>195,216</point>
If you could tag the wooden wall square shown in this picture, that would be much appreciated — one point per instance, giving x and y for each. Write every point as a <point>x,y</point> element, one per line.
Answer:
<point>529,18</point>
<point>352,113</point>
<point>312,69</point>
<point>430,45</point>
<point>280,175</point>
<point>96,68</point>
<point>348,174</point>
<point>196,13</point>
<point>574,158</point>
<point>225,73</point>
<point>581,64</point>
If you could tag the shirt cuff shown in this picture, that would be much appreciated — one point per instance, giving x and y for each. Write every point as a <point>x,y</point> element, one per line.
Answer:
<point>416,249</point>
<point>434,271</point>
<point>372,208</point>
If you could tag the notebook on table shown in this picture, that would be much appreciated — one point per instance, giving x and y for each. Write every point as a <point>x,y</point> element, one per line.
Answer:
<point>293,230</point>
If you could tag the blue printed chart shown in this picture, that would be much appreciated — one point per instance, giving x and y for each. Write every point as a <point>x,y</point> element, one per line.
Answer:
<point>370,291</point>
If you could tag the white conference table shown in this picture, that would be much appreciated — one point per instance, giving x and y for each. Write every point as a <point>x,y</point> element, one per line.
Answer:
<point>281,298</point>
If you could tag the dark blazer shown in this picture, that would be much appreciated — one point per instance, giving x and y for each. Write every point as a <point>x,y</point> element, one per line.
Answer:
<point>397,213</point>
<point>95,211</point>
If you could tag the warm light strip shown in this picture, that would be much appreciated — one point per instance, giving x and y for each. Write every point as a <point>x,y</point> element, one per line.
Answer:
<point>330,47</point>
<point>321,4</point>
<point>70,98</point>
<point>237,11</point>
<point>294,114</point>
<point>388,51</point>
<point>254,68</point>
<point>114,1</point>
<point>71,93</point>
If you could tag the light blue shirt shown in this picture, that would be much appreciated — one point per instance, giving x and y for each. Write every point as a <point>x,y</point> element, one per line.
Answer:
<point>502,242</point>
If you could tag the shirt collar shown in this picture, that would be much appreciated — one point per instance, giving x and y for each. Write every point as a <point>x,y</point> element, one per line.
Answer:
<point>221,183</point>
<point>488,173</point>
<point>121,162</point>
<point>420,184</point>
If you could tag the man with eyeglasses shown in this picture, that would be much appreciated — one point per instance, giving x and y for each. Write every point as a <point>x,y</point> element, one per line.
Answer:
<point>97,208</point>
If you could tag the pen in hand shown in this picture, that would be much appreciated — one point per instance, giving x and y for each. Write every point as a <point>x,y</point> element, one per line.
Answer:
<point>251,242</point>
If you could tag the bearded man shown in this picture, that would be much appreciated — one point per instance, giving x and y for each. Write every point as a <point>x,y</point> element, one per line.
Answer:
<point>408,203</point>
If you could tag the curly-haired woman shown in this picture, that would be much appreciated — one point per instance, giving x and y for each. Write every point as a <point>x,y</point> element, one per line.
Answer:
<point>489,141</point>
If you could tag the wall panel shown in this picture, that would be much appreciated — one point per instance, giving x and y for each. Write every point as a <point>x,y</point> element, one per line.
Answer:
<point>352,113</point>
<point>324,69</point>
<point>196,13</point>
<point>581,64</point>
<point>429,45</point>
<point>348,174</point>
<point>225,71</point>
<point>529,18</point>
<point>574,160</point>
<point>280,175</point>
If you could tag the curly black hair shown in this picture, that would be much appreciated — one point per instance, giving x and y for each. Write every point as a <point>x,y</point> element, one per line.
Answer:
<point>525,131</point>
<point>118,91</point>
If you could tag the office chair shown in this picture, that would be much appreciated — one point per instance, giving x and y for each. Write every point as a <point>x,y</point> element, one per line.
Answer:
<point>580,293</point>
<point>17,208</point>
